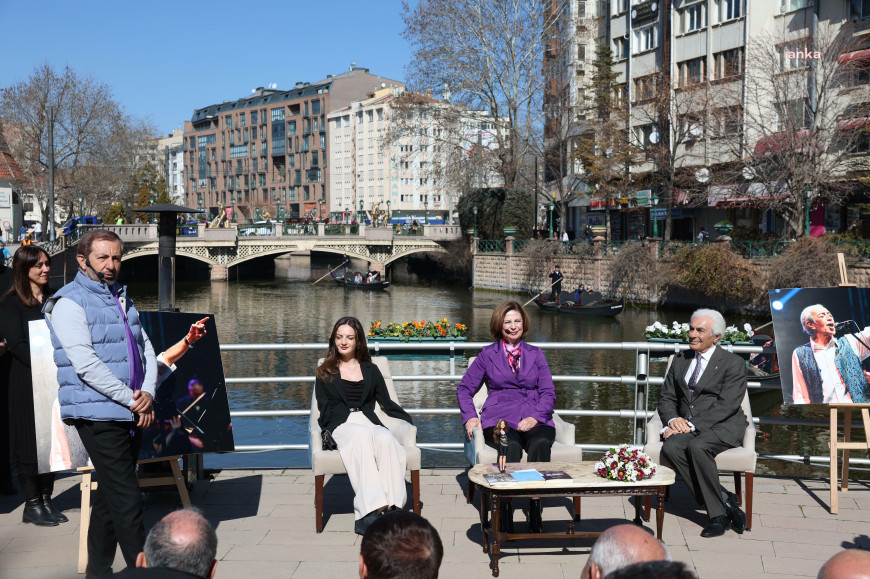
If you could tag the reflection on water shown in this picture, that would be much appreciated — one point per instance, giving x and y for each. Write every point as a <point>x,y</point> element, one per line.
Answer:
<point>288,309</point>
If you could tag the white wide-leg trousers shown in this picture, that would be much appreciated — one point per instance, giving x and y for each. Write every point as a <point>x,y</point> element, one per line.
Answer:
<point>375,463</point>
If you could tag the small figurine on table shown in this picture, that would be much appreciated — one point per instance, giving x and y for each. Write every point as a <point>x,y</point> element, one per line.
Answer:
<point>501,442</point>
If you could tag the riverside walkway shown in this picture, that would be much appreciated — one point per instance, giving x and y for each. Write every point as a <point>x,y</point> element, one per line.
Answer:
<point>265,527</point>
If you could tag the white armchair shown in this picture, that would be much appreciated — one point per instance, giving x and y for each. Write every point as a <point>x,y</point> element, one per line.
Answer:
<point>324,462</point>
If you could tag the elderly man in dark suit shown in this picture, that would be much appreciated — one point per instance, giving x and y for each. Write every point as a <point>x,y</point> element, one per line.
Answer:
<point>700,404</point>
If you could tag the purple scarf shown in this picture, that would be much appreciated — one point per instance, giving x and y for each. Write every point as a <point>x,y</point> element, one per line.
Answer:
<point>137,373</point>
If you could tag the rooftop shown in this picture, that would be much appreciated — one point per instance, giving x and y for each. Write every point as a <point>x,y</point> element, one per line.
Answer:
<point>265,528</point>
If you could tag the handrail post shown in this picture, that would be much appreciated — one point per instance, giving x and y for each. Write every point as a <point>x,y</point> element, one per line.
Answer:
<point>640,391</point>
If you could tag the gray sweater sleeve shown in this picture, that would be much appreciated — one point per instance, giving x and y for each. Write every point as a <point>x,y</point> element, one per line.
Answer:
<point>70,325</point>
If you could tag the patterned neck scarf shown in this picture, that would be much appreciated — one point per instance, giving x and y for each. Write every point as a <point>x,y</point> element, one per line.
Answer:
<point>513,356</point>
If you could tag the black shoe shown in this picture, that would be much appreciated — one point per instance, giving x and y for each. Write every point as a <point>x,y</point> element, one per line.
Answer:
<point>717,526</point>
<point>737,517</point>
<point>36,513</point>
<point>361,525</point>
<point>506,517</point>
<point>49,506</point>
<point>536,519</point>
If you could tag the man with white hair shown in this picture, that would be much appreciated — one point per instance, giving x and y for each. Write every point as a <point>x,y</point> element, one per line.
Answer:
<point>828,369</point>
<point>620,546</point>
<point>700,404</point>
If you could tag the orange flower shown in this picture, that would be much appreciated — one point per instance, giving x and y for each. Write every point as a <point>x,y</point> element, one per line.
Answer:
<point>443,333</point>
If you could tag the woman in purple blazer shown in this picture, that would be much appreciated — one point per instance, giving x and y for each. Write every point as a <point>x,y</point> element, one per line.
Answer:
<point>521,392</point>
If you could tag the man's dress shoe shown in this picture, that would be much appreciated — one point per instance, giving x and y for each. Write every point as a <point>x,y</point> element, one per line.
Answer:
<point>738,517</point>
<point>717,526</point>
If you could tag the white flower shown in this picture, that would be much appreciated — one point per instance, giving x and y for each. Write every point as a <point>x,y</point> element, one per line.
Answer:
<point>685,327</point>
<point>650,329</point>
<point>747,328</point>
<point>730,329</point>
<point>658,325</point>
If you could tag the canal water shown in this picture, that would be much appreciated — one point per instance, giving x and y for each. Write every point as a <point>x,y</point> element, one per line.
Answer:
<point>288,309</point>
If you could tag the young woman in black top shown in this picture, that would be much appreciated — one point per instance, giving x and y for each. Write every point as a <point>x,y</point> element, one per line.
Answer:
<point>347,386</point>
<point>19,306</point>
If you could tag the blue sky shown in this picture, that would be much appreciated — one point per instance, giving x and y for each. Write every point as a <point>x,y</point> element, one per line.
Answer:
<point>164,59</point>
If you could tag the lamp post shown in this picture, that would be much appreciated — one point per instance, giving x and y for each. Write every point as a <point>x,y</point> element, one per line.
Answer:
<point>152,203</point>
<point>320,209</point>
<point>388,212</point>
<point>474,210</point>
<point>807,195</point>
<point>81,208</point>
<point>550,207</point>
<point>426,207</point>
<point>361,215</point>
<point>233,199</point>
<point>258,215</point>
<point>346,215</point>
<point>655,220</point>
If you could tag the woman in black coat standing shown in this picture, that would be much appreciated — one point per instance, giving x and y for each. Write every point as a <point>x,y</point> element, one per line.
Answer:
<point>19,306</point>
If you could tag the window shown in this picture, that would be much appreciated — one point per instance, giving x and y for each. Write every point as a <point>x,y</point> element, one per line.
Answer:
<point>228,121</point>
<point>792,115</point>
<point>315,107</point>
<point>312,176</point>
<point>620,48</point>
<point>620,6</point>
<point>206,140</point>
<point>380,114</point>
<point>278,114</point>
<point>620,91</point>
<point>644,134</point>
<point>314,159</point>
<point>322,141</point>
<point>254,165</point>
<point>693,17</point>
<point>727,10</point>
<point>253,117</point>
<point>730,120</point>
<point>860,9</point>
<point>691,71</point>
<point>241,119</point>
<point>370,116</point>
<point>645,39</point>
<point>789,5</point>
<point>291,127</point>
<point>728,63</point>
<point>793,55</point>
<point>644,87</point>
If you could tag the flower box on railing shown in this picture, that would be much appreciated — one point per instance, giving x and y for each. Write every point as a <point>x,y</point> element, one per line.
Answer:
<point>440,331</point>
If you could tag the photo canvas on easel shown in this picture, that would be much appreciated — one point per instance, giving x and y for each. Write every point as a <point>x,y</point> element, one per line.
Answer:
<point>823,344</point>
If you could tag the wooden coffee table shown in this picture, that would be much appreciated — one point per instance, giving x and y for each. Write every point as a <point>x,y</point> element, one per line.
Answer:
<point>585,483</point>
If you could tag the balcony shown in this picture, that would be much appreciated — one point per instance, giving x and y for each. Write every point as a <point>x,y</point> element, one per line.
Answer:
<point>278,149</point>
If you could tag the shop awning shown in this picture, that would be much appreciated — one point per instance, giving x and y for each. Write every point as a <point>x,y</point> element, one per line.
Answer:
<point>781,141</point>
<point>851,56</point>
<point>853,124</point>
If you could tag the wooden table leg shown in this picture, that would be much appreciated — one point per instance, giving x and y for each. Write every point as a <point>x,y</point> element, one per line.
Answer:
<point>660,511</point>
<point>638,520</point>
<point>834,491</point>
<point>494,549</point>
<point>847,437</point>
<point>484,516</point>
<point>84,520</point>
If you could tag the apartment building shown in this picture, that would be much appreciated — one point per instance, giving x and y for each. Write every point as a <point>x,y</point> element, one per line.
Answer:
<point>268,152</point>
<point>697,42</point>
<point>396,151</point>
<point>170,152</point>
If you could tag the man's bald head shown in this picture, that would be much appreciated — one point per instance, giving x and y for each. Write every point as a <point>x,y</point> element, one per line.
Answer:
<point>848,564</point>
<point>623,545</point>
<point>182,540</point>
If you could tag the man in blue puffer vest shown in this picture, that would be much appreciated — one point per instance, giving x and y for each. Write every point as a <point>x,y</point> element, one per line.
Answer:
<point>106,371</point>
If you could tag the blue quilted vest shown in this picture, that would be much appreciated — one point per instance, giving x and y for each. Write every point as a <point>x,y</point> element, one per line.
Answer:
<point>109,337</point>
<point>848,365</point>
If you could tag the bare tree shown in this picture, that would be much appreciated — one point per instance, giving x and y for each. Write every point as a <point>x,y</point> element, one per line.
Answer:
<point>93,137</point>
<point>489,53</point>
<point>804,123</point>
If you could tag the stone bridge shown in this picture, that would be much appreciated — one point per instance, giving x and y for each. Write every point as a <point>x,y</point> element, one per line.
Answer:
<point>223,248</point>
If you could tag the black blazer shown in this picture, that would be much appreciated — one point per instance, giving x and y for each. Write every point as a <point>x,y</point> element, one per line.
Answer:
<point>332,399</point>
<point>718,395</point>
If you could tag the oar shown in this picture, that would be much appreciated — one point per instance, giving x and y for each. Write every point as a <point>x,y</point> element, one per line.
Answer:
<point>534,297</point>
<point>329,272</point>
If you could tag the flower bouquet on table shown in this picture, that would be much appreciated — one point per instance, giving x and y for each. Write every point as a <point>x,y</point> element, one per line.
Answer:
<point>625,463</point>
<point>405,331</point>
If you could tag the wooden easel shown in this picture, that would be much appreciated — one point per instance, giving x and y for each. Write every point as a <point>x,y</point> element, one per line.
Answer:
<point>845,445</point>
<point>88,485</point>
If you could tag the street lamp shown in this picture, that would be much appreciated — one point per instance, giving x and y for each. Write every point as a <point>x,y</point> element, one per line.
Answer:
<point>152,203</point>
<point>388,212</point>
<point>81,208</point>
<point>807,194</point>
<point>551,206</point>
<point>320,209</point>
<point>361,215</point>
<point>426,206</point>
<point>474,210</point>
<point>655,219</point>
<point>346,215</point>
<point>233,200</point>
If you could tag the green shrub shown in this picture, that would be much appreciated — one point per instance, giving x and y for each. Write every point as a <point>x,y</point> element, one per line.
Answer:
<point>713,270</point>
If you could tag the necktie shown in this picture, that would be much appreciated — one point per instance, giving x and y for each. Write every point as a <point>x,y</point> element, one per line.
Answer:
<point>696,373</point>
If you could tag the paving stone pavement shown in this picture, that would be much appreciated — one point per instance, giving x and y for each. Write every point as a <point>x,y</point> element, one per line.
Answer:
<point>265,526</point>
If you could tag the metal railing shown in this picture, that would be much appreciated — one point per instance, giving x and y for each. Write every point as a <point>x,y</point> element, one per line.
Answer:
<point>491,245</point>
<point>640,380</point>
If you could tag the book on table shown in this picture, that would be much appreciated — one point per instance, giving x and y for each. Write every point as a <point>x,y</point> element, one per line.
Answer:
<point>527,475</point>
<point>556,476</point>
<point>499,478</point>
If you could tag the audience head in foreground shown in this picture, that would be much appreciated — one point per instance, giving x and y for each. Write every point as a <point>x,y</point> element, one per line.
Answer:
<point>848,564</point>
<point>620,546</point>
<point>653,570</point>
<point>181,541</point>
<point>400,544</point>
